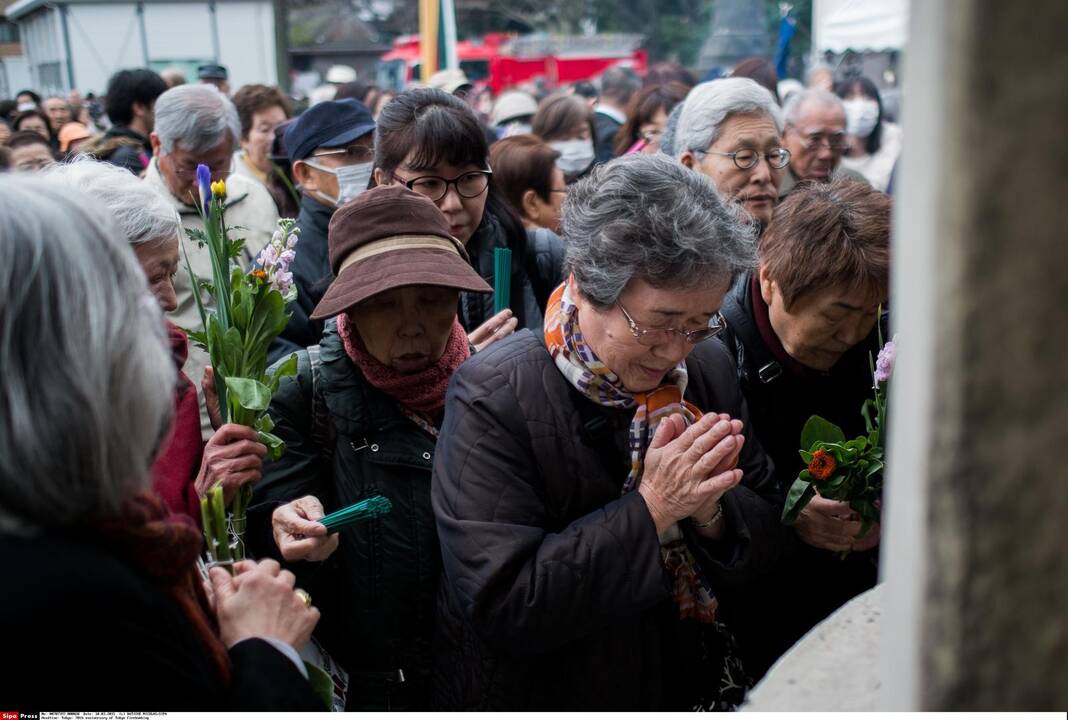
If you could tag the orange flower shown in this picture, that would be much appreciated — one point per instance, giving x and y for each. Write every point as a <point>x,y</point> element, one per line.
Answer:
<point>823,465</point>
<point>259,274</point>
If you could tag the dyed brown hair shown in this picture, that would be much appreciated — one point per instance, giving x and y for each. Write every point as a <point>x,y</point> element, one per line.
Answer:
<point>643,109</point>
<point>521,163</point>
<point>251,99</point>
<point>558,115</point>
<point>827,235</point>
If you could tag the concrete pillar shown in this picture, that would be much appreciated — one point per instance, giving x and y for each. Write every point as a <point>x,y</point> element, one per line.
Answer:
<point>977,465</point>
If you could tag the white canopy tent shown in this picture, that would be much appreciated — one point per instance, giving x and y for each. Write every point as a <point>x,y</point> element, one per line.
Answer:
<point>859,25</point>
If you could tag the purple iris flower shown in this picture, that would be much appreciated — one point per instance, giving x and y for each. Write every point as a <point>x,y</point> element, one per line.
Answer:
<point>204,181</point>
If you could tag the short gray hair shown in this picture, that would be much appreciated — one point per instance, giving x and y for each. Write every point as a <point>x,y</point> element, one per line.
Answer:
<point>792,109</point>
<point>647,216</point>
<point>87,391</point>
<point>141,213</point>
<point>197,117</point>
<point>710,104</point>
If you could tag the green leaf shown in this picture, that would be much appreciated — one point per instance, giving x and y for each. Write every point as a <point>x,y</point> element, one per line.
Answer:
<point>801,492</point>
<point>275,445</point>
<point>321,683</point>
<point>866,413</point>
<point>286,368</point>
<point>806,456</point>
<point>249,394</point>
<point>197,235</point>
<point>874,468</point>
<point>819,430</point>
<point>264,423</point>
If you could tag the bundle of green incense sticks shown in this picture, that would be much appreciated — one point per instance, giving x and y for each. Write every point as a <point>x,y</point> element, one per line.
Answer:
<point>502,278</point>
<point>367,509</point>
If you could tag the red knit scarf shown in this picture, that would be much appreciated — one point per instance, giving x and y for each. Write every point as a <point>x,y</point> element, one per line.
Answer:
<point>422,392</point>
<point>165,547</point>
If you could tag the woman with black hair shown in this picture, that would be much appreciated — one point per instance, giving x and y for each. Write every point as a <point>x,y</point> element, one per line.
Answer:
<point>432,143</point>
<point>874,143</point>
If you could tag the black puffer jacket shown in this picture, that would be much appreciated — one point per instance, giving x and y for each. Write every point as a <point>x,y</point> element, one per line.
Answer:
<point>546,252</point>
<point>782,396</point>
<point>377,591</point>
<point>554,595</point>
<point>476,308</point>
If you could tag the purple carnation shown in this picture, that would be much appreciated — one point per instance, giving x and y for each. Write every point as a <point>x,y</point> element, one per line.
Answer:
<point>884,365</point>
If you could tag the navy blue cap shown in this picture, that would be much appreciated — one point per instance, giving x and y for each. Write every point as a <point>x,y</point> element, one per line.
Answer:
<point>212,72</point>
<point>334,123</point>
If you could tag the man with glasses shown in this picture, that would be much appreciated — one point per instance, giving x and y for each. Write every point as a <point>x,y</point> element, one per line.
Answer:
<point>815,135</point>
<point>331,148</point>
<point>731,131</point>
<point>196,124</point>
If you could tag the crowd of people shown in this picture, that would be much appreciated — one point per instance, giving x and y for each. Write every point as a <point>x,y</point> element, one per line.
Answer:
<point>586,487</point>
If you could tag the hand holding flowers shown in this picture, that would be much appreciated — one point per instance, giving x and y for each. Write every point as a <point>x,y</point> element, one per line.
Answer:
<point>249,312</point>
<point>847,475</point>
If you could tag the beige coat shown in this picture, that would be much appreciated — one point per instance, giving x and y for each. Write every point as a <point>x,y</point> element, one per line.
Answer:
<point>249,206</point>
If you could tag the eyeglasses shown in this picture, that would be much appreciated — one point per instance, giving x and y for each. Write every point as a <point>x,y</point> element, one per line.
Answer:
<point>354,154</point>
<point>189,171</point>
<point>747,159</point>
<point>835,142</point>
<point>651,337</point>
<point>469,185</point>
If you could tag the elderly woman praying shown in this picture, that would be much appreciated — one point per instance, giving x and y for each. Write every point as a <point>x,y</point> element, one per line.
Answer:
<point>596,485</point>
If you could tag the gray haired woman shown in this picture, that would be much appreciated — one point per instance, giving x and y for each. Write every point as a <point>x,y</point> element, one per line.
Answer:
<point>731,131</point>
<point>597,490</point>
<point>105,604</point>
<point>185,467</point>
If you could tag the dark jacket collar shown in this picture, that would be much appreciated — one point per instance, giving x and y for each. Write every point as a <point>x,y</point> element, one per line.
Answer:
<point>315,215</point>
<point>123,131</point>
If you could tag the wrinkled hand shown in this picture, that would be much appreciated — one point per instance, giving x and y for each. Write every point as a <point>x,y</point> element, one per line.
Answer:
<point>259,601</point>
<point>684,467</point>
<point>833,525</point>
<point>708,510</point>
<point>496,328</point>
<point>298,534</point>
<point>211,398</point>
<point>233,457</point>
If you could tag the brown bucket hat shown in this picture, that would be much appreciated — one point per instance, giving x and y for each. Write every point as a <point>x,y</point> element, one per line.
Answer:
<point>391,237</point>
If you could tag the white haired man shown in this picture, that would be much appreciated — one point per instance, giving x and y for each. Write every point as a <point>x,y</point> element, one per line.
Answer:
<point>196,124</point>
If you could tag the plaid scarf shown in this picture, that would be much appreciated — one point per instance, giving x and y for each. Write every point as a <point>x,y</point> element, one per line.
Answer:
<point>580,365</point>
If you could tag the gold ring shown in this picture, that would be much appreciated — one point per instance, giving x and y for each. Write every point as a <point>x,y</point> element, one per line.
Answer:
<point>304,596</point>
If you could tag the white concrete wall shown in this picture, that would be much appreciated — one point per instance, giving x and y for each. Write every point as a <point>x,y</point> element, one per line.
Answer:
<point>42,43</point>
<point>103,39</point>
<point>246,37</point>
<point>106,38</point>
<point>15,75</point>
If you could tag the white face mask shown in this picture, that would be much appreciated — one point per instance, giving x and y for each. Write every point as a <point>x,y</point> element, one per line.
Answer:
<point>862,115</point>
<point>351,181</point>
<point>575,155</point>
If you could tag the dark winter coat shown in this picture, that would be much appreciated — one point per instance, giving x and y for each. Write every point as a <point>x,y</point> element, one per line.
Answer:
<point>94,632</point>
<point>605,129</point>
<point>129,155</point>
<point>781,396</point>
<point>554,595</point>
<point>311,275</point>
<point>545,263</point>
<point>377,591</point>
<point>475,308</point>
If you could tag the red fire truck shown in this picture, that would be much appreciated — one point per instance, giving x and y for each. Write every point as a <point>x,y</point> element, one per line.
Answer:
<point>501,61</point>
